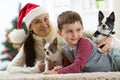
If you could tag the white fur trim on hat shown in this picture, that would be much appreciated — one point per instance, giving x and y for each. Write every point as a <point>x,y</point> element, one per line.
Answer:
<point>32,14</point>
<point>17,36</point>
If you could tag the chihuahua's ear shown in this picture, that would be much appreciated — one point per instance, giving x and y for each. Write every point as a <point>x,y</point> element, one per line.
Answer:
<point>59,32</point>
<point>112,16</point>
<point>44,42</point>
<point>55,41</point>
<point>100,16</point>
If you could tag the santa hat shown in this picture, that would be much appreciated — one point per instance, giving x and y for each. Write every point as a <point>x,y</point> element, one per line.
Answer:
<point>28,13</point>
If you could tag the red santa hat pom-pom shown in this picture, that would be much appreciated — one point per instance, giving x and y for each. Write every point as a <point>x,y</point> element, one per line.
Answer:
<point>17,36</point>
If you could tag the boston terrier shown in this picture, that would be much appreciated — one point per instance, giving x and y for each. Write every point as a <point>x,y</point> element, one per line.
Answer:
<point>105,27</point>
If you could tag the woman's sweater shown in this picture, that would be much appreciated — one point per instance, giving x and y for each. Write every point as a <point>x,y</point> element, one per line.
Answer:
<point>18,63</point>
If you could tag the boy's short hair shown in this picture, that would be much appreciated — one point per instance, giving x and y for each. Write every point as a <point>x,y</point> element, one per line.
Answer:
<point>68,17</point>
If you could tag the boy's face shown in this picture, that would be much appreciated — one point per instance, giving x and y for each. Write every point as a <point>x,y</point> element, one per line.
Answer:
<point>72,33</point>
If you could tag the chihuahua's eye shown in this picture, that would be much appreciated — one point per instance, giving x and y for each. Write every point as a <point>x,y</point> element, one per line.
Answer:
<point>44,49</point>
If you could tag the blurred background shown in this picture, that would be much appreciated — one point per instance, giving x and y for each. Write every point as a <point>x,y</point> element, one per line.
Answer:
<point>88,9</point>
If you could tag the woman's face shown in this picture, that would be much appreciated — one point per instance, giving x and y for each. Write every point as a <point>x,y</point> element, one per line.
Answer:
<point>41,25</point>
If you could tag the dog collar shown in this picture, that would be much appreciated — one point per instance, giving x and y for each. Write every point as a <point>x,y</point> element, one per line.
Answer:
<point>104,34</point>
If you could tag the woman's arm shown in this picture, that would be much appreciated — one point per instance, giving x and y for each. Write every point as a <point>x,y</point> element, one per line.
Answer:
<point>110,43</point>
<point>17,65</point>
<point>116,43</point>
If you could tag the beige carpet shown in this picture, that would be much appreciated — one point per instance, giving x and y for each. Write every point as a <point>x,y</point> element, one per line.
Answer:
<point>78,76</point>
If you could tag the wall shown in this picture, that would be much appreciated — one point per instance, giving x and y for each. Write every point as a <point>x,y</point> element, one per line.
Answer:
<point>9,12</point>
<point>116,8</point>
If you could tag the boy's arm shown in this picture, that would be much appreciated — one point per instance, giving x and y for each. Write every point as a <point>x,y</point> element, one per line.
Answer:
<point>83,52</point>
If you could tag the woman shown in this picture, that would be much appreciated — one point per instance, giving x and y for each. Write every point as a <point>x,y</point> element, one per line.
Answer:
<point>31,52</point>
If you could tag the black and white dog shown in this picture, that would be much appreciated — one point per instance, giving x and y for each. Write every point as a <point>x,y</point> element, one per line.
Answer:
<point>52,53</point>
<point>105,27</point>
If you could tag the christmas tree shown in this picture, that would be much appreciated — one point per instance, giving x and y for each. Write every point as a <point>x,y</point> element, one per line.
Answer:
<point>11,49</point>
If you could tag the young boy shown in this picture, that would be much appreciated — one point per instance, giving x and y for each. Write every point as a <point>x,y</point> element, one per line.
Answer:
<point>80,54</point>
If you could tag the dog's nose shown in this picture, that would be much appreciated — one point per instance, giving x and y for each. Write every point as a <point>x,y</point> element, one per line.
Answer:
<point>47,53</point>
<point>103,26</point>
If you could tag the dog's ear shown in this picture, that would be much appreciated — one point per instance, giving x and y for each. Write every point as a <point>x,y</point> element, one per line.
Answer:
<point>100,16</point>
<point>112,16</point>
<point>55,41</point>
<point>44,42</point>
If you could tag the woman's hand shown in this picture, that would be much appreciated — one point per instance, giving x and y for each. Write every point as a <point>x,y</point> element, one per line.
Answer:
<point>52,64</point>
<point>107,42</point>
<point>42,65</point>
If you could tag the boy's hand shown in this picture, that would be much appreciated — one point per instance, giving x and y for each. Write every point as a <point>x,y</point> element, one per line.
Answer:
<point>54,71</point>
<point>56,68</point>
<point>50,72</point>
